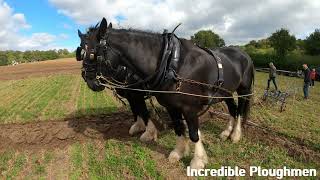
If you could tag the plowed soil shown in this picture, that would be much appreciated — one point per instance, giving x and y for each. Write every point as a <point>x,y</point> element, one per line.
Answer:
<point>58,134</point>
<point>43,68</point>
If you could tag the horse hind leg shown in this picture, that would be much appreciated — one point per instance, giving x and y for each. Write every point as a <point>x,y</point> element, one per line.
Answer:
<point>242,115</point>
<point>237,131</point>
<point>232,107</point>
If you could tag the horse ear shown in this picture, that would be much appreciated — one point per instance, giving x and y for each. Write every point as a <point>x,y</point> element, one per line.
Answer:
<point>110,26</point>
<point>79,33</point>
<point>103,27</point>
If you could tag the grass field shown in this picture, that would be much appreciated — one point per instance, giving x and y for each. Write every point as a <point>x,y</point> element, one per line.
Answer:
<point>57,97</point>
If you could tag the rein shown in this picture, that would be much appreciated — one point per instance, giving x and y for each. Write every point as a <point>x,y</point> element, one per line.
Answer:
<point>112,85</point>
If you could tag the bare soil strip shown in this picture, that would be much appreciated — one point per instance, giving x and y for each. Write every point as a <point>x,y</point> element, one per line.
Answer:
<point>59,134</point>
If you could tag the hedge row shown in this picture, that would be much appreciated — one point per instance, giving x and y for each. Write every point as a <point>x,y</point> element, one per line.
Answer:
<point>13,57</point>
<point>292,62</point>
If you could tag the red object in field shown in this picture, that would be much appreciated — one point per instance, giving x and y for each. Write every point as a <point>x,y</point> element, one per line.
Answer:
<point>313,75</point>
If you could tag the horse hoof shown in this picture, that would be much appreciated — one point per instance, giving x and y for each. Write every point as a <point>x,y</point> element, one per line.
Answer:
<point>197,163</point>
<point>224,135</point>
<point>235,137</point>
<point>148,136</point>
<point>137,127</point>
<point>174,156</point>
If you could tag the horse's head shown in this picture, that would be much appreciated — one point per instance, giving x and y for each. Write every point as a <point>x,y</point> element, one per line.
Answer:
<point>98,58</point>
<point>89,64</point>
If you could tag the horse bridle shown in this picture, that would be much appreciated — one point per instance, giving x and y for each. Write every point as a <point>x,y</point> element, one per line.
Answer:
<point>95,58</point>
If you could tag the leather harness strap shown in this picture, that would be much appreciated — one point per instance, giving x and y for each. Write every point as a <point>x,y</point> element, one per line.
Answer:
<point>220,67</point>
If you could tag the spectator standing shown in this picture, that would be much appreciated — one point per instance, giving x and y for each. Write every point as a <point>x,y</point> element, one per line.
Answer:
<point>313,76</point>
<point>307,81</point>
<point>272,76</point>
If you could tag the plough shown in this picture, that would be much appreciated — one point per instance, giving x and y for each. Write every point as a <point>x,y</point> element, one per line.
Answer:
<point>280,97</point>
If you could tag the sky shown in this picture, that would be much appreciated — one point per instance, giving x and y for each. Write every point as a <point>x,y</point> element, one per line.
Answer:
<point>53,24</point>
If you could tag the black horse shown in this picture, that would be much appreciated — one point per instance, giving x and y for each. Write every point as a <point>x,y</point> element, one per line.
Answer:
<point>198,72</point>
<point>121,74</point>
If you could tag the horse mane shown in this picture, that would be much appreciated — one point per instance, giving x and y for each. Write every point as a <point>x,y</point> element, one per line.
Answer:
<point>147,33</point>
<point>130,30</point>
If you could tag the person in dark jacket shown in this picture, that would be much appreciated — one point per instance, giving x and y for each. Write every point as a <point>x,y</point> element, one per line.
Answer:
<point>272,75</point>
<point>307,80</point>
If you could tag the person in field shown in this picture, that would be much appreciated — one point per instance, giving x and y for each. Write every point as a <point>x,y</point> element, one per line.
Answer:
<point>307,80</point>
<point>272,76</point>
<point>313,76</point>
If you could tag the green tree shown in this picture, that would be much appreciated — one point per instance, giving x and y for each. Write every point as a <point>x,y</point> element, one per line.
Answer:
<point>3,58</point>
<point>282,42</point>
<point>207,38</point>
<point>300,44</point>
<point>312,43</point>
<point>252,43</point>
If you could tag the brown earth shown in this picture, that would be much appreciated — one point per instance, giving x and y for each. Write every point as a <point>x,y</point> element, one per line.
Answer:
<point>43,68</point>
<point>58,134</point>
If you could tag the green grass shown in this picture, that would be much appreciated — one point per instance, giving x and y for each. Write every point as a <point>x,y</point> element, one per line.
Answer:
<point>51,98</point>
<point>300,118</point>
<point>61,96</point>
<point>17,166</point>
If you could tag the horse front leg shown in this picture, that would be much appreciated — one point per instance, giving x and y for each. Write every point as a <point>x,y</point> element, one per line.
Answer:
<point>151,132</point>
<point>200,158</point>
<point>143,122</point>
<point>139,125</point>
<point>182,143</point>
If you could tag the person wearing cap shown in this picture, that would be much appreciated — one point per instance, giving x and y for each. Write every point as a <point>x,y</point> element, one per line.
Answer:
<point>307,80</point>
<point>272,75</point>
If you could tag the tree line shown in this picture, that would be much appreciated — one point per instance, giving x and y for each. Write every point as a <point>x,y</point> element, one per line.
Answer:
<point>281,47</point>
<point>15,57</point>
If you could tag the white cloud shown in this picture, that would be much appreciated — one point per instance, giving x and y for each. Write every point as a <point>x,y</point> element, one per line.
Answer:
<point>11,38</point>
<point>37,41</point>
<point>236,21</point>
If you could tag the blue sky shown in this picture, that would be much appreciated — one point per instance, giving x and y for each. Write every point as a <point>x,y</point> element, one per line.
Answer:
<point>53,24</point>
<point>43,17</point>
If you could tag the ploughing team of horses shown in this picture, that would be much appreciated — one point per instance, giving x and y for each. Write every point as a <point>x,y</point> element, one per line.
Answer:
<point>183,77</point>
